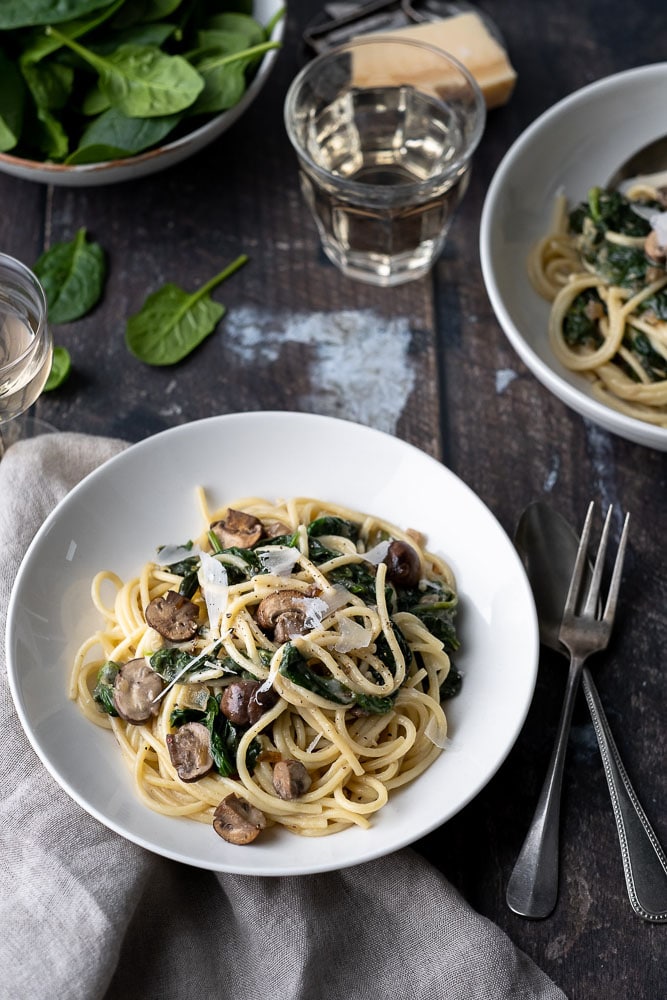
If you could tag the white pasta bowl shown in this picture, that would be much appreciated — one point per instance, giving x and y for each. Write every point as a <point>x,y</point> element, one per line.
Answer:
<point>575,145</point>
<point>103,525</point>
<point>157,158</point>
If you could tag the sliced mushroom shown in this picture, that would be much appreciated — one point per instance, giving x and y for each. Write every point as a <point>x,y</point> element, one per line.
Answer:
<point>403,564</point>
<point>272,607</point>
<point>190,751</point>
<point>289,624</point>
<point>173,616</point>
<point>291,779</point>
<point>237,821</point>
<point>238,530</point>
<point>135,689</point>
<point>239,703</point>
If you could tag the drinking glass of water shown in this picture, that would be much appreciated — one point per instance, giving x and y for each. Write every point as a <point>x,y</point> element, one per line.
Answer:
<point>26,346</point>
<point>384,130</point>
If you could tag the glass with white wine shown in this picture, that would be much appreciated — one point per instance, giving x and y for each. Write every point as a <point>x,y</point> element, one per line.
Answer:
<point>384,129</point>
<point>26,346</point>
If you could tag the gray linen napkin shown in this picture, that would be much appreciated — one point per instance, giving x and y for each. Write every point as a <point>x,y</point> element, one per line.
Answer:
<point>85,914</point>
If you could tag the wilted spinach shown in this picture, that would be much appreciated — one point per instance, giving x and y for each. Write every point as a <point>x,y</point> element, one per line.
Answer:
<point>225,736</point>
<point>103,691</point>
<point>294,667</point>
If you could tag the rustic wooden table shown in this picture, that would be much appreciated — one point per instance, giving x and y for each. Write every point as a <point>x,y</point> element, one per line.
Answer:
<point>468,400</point>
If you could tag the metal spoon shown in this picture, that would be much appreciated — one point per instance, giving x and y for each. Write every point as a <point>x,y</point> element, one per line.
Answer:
<point>547,546</point>
<point>650,159</point>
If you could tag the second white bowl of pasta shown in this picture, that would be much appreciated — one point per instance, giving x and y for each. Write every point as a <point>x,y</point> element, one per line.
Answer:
<point>572,270</point>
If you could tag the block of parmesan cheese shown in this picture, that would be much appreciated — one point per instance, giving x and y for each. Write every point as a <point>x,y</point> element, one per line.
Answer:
<point>466,37</point>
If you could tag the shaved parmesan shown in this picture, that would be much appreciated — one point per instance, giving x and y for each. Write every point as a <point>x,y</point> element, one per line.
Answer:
<point>377,554</point>
<point>278,559</point>
<point>352,636</point>
<point>212,578</point>
<point>314,608</point>
<point>169,554</point>
<point>436,732</point>
<point>659,225</point>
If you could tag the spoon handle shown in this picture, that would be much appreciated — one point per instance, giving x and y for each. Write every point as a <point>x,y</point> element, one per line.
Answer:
<point>644,861</point>
<point>532,890</point>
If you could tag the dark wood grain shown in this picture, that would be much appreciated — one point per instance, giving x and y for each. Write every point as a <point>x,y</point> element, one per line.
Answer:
<point>469,401</point>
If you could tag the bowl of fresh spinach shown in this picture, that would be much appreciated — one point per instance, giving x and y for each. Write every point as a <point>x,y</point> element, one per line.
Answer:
<point>100,91</point>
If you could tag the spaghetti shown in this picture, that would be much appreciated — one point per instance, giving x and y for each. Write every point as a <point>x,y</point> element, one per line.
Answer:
<point>309,682</point>
<point>602,266</point>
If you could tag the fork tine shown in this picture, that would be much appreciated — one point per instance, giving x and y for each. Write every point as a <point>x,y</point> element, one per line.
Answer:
<point>593,597</point>
<point>615,585</point>
<point>579,565</point>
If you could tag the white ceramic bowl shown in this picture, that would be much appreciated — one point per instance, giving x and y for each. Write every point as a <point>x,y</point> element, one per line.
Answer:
<point>572,147</point>
<point>152,160</point>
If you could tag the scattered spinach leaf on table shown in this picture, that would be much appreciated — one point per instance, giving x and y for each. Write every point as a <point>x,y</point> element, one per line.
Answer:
<point>60,368</point>
<point>72,274</point>
<point>172,322</point>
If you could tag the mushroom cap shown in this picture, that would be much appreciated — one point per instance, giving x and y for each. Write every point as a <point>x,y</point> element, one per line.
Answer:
<point>135,689</point>
<point>238,530</point>
<point>237,821</point>
<point>239,702</point>
<point>403,564</point>
<point>291,779</point>
<point>190,751</point>
<point>173,616</point>
<point>271,607</point>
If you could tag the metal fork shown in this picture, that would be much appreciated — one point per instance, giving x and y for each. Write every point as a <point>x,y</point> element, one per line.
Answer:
<point>532,890</point>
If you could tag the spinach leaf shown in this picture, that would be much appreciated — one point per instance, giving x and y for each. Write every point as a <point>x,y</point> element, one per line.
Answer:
<point>294,667</point>
<point>26,13</point>
<point>225,736</point>
<point>384,653</point>
<point>250,564</point>
<point>232,23</point>
<point>579,326</point>
<point>375,705</point>
<point>223,74</point>
<point>172,322</point>
<point>452,683</point>
<point>225,739</point>
<point>103,691</point>
<point>655,304</point>
<point>12,99</point>
<point>439,620</point>
<point>141,80</point>
<point>50,84</point>
<point>329,524</point>
<point>60,368</point>
<point>72,275</point>
<point>653,363</point>
<point>169,661</point>
<point>621,265</point>
<point>113,135</point>
<point>42,45</point>
<point>357,579</point>
<point>612,210</point>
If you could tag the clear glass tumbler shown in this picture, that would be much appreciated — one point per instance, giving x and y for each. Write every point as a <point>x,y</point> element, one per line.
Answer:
<point>384,130</point>
<point>26,346</point>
